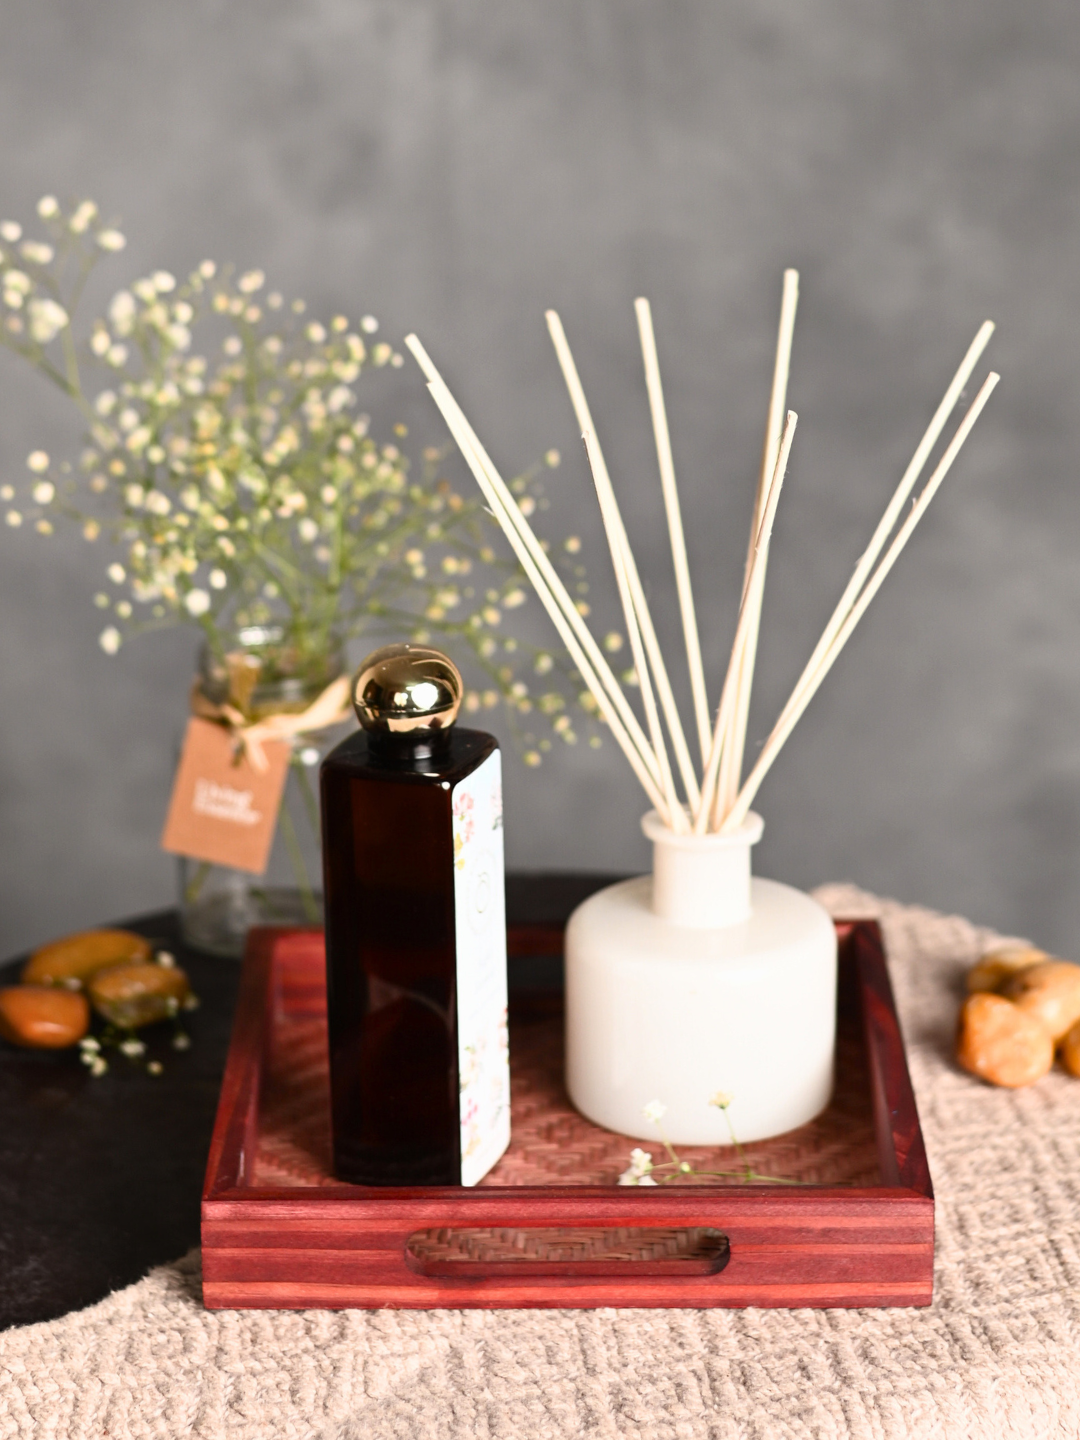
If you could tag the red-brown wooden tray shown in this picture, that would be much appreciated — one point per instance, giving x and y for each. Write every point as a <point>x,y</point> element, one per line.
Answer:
<point>549,1226</point>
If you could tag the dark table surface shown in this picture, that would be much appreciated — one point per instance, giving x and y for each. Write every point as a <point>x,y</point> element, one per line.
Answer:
<point>100,1178</point>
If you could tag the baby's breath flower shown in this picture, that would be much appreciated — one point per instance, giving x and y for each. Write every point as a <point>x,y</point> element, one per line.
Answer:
<point>154,1067</point>
<point>38,461</point>
<point>43,527</point>
<point>122,311</point>
<point>572,544</point>
<point>532,757</point>
<point>47,319</point>
<point>181,1041</point>
<point>204,461</point>
<point>48,207</point>
<point>196,602</point>
<point>116,573</point>
<point>37,252</point>
<point>82,217</point>
<point>7,492</point>
<point>721,1099</point>
<point>132,1048</point>
<point>552,459</point>
<point>630,1176</point>
<point>654,1112</point>
<point>613,642</point>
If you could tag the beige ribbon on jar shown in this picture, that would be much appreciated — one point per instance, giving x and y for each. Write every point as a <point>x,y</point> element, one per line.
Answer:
<point>332,707</point>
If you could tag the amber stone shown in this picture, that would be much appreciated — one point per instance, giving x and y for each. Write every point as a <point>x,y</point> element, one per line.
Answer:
<point>1050,993</point>
<point>134,995</point>
<point>77,957</point>
<point>1000,1043</point>
<point>43,1017</point>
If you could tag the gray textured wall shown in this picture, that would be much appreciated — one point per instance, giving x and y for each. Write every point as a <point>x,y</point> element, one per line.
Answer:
<point>458,167</point>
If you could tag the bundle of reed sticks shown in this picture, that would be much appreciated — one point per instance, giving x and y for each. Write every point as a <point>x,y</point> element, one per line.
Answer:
<point>714,796</point>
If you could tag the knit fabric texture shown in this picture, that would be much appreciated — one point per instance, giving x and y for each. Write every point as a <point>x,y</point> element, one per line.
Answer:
<point>997,1354</point>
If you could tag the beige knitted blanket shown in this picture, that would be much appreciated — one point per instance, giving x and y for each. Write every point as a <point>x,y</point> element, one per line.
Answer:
<point>997,1355</point>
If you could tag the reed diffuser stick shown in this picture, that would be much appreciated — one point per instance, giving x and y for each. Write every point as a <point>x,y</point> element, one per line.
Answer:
<point>619,559</point>
<point>673,512</point>
<point>888,520</point>
<point>734,748</point>
<point>517,522</point>
<point>808,684</point>
<point>648,631</point>
<point>480,467</point>
<point>721,732</point>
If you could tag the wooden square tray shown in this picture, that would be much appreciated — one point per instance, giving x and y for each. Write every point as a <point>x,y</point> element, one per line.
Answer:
<point>549,1226</point>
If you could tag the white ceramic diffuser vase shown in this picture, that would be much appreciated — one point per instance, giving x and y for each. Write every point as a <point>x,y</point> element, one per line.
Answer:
<point>698,979</point>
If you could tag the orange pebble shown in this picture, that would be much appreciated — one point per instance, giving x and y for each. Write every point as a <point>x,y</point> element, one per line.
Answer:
<point>1001,1043</point>
<point>77,957</point>
<point>1070,1051</point>
<point>1049,993</point>
<point>43,1017</point>
<point>134,995</point>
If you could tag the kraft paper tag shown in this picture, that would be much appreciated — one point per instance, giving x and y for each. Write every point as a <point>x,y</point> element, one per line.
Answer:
<point>222,809</point>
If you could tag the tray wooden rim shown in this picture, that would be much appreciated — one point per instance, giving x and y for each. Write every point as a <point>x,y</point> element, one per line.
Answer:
<point>251,1232</point>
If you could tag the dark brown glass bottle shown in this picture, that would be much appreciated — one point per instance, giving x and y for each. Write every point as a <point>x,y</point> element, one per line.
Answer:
<point>415,932</point>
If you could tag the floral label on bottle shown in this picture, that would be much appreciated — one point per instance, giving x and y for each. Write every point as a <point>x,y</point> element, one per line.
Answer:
<point>480,919</point>
<point>223,810</point>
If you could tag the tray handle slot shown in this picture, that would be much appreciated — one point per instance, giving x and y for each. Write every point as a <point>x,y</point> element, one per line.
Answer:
<point>479,1252</point>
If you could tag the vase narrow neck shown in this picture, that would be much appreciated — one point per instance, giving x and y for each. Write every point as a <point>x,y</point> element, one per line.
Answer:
<point>702,881</point>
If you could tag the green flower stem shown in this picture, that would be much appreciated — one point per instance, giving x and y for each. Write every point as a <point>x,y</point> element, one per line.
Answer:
<point>194,886</point>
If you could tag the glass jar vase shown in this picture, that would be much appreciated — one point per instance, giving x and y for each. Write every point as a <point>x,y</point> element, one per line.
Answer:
<point>261,675</point>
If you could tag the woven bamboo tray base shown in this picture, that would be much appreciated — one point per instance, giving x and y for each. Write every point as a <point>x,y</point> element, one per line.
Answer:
<point>551,1144</point>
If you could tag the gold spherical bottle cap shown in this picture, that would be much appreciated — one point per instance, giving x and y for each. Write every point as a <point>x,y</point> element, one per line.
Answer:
<point>407,690</point>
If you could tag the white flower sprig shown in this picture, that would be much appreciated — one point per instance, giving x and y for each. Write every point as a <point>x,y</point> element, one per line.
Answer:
<point>643,1171</point>
<point>248,489</point>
